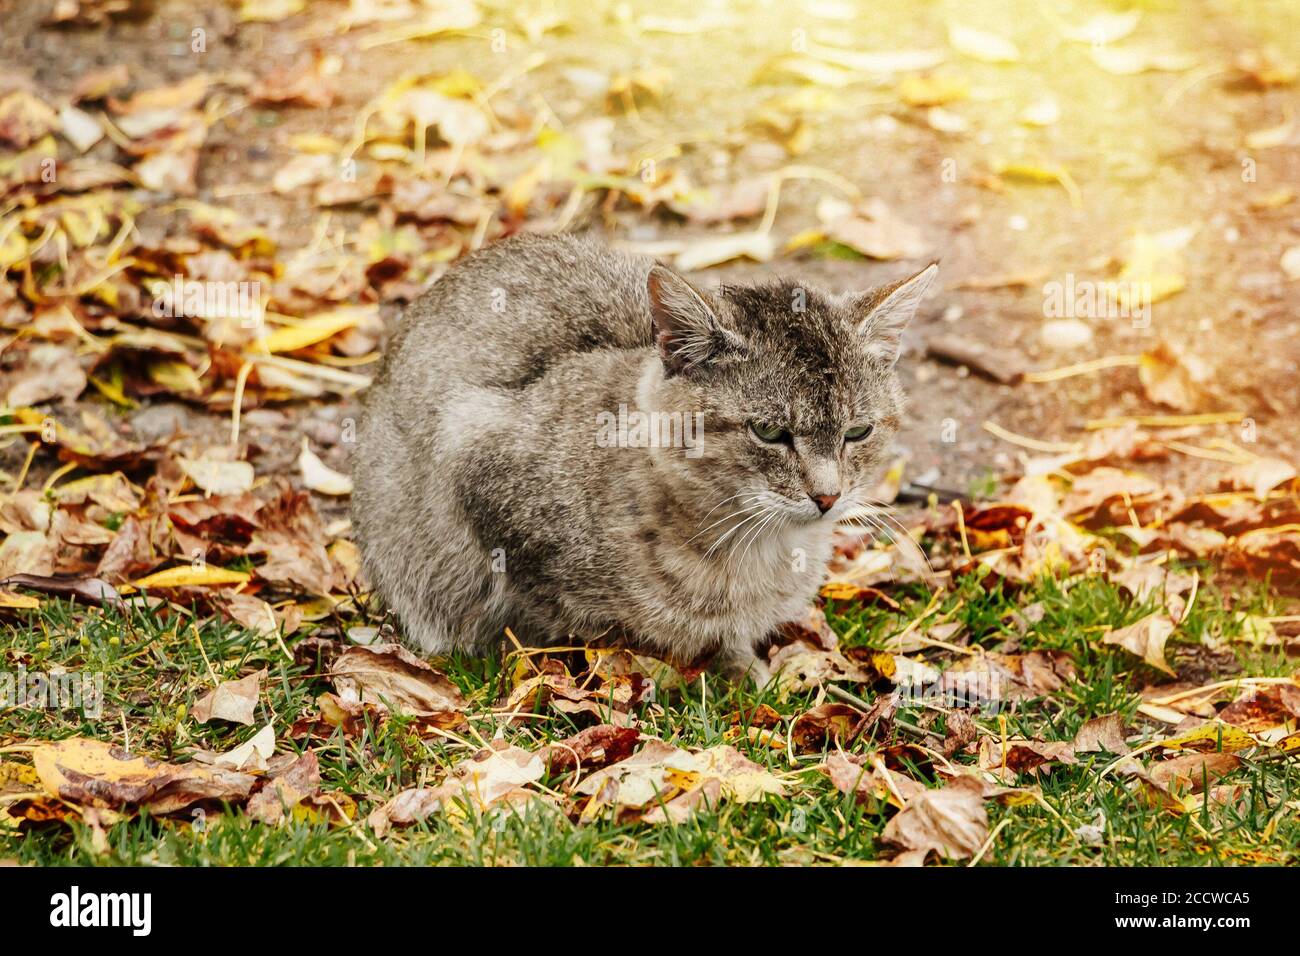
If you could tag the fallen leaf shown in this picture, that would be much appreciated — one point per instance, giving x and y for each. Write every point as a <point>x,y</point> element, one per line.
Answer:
<point>24,119</point>
<point>89,590</point>
<point>235,701</point>
<point>715,250</point>
<point>188,576</point>
<point>873,230</point>
<point>318,328</point>
<point>48,372</point>
<point>950,821</point>
<point>250,756</point>
<point>1101,733</point>
<point>491,777</point>
<point>218,476</point>
<point>98,774</point>
<point>933,89</point>
<point>1261,475</point>
<point>390,675</point>
<point>1173,379</point>
<point>1189,772</point>
<point>662,782</point>
<point>590,749</point>
<point>839,725</point>
<point>318,476</point>
<point>1210,736</point>
<point>1146,639</point>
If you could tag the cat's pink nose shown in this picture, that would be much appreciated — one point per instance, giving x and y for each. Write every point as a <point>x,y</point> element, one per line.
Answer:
<point>824,502</point>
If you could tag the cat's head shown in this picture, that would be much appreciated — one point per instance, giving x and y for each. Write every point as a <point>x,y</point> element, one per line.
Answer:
<point>798,387</point>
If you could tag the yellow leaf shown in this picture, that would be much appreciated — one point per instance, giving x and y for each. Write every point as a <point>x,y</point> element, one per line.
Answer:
<point>187,576</point>
<point>318,328</point>
<point>801,240</point>
<point>933,90</point>
<point>175,376</point>
<point>19,601</point>
<point>840,591</point>
<point>1207,737</point>
<point>269,11</point>
<point>520,192</point>
<point>1031,172</point>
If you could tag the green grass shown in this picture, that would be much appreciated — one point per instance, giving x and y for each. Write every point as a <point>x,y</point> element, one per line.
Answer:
<point>155,669</point>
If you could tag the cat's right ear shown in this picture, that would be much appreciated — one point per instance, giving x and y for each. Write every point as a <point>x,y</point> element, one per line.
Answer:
<point>685,330</point>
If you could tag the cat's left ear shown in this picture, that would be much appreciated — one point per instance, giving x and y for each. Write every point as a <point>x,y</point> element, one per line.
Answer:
<point>685,329</point>
<point>883,325</point>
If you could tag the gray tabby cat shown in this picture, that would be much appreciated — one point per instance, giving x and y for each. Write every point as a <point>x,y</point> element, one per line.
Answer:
<point>573,443</point>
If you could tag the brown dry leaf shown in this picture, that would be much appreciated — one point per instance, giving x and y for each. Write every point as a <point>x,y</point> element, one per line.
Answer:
<point>97,774</point>
<point>1021,755</point>
<point>590,749</point>
<point>872,229</point>
<point>390,675</point>
<point>24,119</point>
<point>740,200</point>
<point>1188,773</point>
<point>234,700</point>
<point>1101,733</point>
<point>838,725</point>
<point>1145,581</point>
<point>801,665</point>
<point>662,782</point>
<point>218,476</point>
<point>1177,381</point>
<point>1261,475</point>
<point>100,84</point>
<point>1145,639</point>
<point>1259,710</point>
<point>28,553</point>
<point>48,372</point>
<point>128,554</point>
<point>257,616</point>
<point>610,697</point>
<point>253,755</point>
<point>1090,492</point>
<point>710,251</point>
<point>500,774</point>
<point>950,821</point>
<point>284,790</point>
<point>292,537</point>
<point>310,82</point>
<point>89,590</point>
<point>869,781</point>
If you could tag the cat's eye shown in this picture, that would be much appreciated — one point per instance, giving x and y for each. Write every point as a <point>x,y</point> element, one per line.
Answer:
<point>768,433</point>
<point>859,432</point>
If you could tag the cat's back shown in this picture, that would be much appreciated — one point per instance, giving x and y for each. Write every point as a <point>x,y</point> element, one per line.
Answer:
<point>507,313</point>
